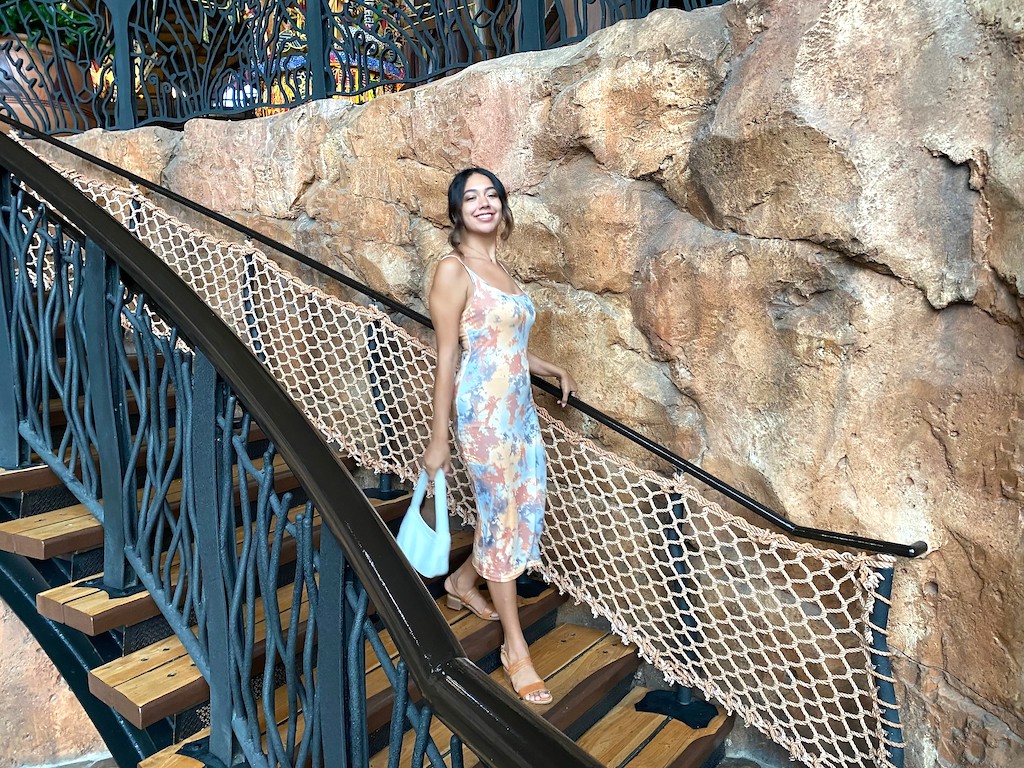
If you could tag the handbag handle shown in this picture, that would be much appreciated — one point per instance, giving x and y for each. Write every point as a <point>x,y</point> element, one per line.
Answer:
<point>440,497</point>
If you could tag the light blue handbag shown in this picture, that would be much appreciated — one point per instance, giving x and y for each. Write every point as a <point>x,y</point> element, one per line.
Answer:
<point>427,549</point>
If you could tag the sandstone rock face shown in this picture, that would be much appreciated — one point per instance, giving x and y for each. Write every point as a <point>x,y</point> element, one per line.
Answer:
<point>786,239</point>
<point>42,723</point>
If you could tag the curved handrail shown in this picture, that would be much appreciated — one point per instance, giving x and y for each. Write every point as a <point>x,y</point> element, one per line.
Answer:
<point>834,538</point>
<point>465,698</point>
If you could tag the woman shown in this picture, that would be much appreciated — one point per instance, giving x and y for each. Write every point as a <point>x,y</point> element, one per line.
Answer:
<point>476,303</point>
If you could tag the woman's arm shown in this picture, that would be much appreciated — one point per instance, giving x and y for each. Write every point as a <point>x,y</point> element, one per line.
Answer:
<point>541,367</point>
<point>448,295</point>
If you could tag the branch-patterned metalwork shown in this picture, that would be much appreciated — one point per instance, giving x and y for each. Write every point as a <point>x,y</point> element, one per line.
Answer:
<point>69,66</point>
<point>212,522</point>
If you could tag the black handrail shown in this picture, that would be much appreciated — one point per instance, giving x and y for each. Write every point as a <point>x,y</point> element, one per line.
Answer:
<point>916,549</point>
<point>467,700</point>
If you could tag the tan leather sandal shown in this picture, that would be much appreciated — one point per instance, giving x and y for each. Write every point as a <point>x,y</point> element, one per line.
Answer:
<point>530,688</point>
<point>457,602</point>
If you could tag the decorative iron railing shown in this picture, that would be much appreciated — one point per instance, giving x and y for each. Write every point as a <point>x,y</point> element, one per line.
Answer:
<point>159,383</point>
<point>69,65</point>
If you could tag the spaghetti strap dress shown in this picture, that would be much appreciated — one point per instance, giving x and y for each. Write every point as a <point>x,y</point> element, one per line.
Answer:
<point>498,432</point>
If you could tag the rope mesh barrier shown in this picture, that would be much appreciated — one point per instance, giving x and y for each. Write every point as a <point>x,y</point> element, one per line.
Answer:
<point>776,630</point>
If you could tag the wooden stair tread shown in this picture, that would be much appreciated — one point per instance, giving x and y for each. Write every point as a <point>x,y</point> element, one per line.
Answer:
<point>74,529</point>
<point>622,731</point>
<point>570,659</point>
<point>52,533</point>
<point>169,757</point>
<point>58,418</point>
<point>679,746</point>
<point>477,636</point>
<point>91,610</point>
<point>391,509</point>
<point>653,740</point>
<point>161,680</point>
<point>32,478</point>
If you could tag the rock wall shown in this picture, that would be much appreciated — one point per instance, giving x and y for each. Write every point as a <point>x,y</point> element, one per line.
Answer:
<point>784,238</point>
<point>41,721</point>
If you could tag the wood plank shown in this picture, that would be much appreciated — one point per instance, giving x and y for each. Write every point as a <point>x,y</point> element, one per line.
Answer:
<point>92,611</point>
<point>559,657</point>
<point>393,508</point>
<point>679,746</point>
<point>161,679</point>
<point>622,731</point>
<point>74,529</point>
<point>32,478</point>
<point>50,533</point>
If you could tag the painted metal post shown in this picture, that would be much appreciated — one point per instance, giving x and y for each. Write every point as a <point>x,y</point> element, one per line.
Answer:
<point>116,573</point>
<point>692,711</point>
<point>203,491</point>
<point>881,660</point>
<point>377,373</point>
<point>124,70</point>
<point>321,80</point>
<point>531,30</point>
<point>332,691</point>
<point>10,440</point>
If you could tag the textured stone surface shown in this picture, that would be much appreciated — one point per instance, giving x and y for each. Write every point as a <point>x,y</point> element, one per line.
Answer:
<point>786,239</point>
<point>42,721</point>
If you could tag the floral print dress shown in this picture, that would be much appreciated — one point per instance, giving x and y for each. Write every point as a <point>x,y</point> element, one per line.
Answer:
<point>498,432</point>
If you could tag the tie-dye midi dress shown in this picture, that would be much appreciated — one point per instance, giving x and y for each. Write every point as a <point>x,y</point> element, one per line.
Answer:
<point>498,432</point>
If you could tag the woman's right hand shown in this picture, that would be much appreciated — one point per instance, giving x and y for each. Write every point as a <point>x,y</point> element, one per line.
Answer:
<point>437,456</point>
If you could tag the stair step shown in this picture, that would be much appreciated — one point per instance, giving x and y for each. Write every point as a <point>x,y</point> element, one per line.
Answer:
<point>477,636</point>
<point>579,664</point>
<point>471,631</point>
<point>33,478</point>
<point>39,476</point>
<point>58,418</point>
<point>161,680</point>
<point>92,611</point>
<point>625,737</point>
<point>74,529</point>
<point>50,534</point>
<point>390,510</point>
<point>169,757</point>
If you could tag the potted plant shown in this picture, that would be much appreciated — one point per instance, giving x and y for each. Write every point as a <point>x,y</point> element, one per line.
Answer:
<point>44,53</point>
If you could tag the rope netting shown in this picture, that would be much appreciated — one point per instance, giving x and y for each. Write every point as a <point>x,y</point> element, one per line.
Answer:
<point>776,630</point>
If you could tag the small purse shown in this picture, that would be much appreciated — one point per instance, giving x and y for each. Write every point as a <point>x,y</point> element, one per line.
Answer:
<point>427,549</point>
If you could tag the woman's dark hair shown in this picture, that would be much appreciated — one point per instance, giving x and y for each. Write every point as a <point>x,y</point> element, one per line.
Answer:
<point>457,190</point>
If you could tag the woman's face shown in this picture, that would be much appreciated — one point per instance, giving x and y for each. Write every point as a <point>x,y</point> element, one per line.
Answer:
<point>481,208</point>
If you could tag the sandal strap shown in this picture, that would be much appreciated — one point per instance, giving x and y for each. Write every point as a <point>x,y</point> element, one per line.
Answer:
<point>529,688</point>
<point>520,665</point>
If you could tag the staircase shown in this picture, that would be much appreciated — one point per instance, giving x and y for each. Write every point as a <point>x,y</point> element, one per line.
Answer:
<point>589,671</point>
<point>171,503</point>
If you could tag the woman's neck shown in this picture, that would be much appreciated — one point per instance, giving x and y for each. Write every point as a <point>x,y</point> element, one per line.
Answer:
<point>480,247</point>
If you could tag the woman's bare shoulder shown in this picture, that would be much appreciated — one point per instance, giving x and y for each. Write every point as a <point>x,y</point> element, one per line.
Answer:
<point>450,270</point>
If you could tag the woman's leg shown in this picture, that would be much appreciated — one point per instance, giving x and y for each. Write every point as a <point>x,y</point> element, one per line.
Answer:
<point>503,593</point>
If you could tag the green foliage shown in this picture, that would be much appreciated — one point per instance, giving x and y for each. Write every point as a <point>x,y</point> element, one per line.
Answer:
<point>55,22</point>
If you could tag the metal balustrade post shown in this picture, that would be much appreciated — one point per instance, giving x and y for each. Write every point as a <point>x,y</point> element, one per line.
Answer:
<point>10,440</point>
<point>681,703</point>
<point>332,690</point>
<point>377,373</point>
<point>531,25</point>
<point>103,372</point>
<point>202,488</point>
<point>124,68</point>
<point>317,53</point>
<point>881,660</point>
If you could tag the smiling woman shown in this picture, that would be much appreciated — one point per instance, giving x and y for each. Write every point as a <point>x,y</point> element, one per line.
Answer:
<point>475,304</point>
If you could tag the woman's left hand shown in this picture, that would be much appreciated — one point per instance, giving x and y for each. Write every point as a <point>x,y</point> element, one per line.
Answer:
<point>568,385</point>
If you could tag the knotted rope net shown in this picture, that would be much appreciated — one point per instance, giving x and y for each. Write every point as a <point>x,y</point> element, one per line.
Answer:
<point>778,631</point>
